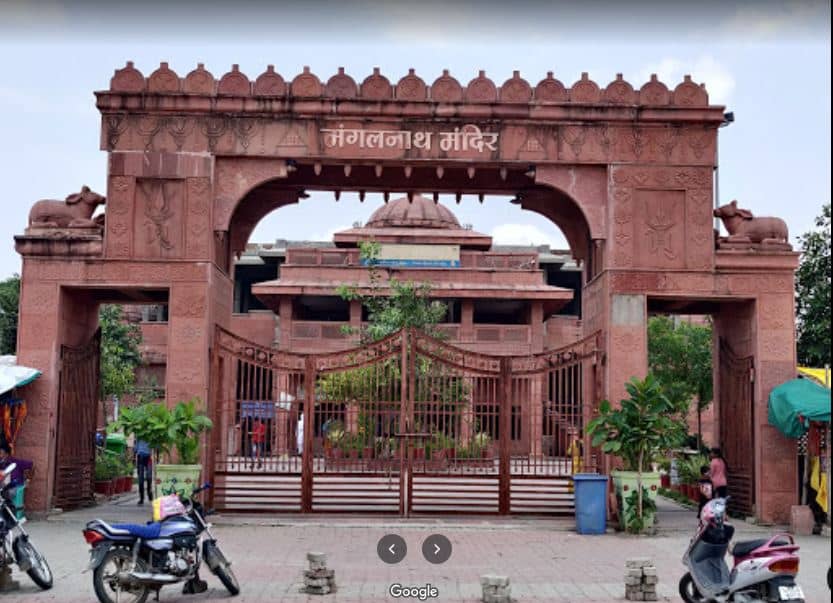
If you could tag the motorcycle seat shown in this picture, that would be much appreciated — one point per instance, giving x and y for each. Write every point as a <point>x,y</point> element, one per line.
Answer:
<point>744,547</point>
<point>145,532</point>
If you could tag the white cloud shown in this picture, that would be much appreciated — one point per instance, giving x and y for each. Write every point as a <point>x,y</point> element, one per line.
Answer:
<point>720,83</point>
<point>778,20</point>
<point>526,234</point>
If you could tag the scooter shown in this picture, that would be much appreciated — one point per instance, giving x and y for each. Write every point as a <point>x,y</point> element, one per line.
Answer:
<point>15,546</point>
<point>763,571</point>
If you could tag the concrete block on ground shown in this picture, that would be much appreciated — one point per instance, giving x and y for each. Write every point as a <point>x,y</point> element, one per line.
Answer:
<point>318,579</point>
<point>801,520</point>
<point>638,562</point>
<point>495,589</point>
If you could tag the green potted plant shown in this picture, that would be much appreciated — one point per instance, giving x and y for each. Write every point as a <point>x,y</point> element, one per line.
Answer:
<point>639,431</point>
<point>172,433</point>
<point>481,443</point>
<point>125,473</point>
<point>335,433</point>
<point>104,473</point>
<point>351,444</point>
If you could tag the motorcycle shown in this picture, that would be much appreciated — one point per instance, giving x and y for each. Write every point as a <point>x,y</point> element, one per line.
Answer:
<point>15,546</point>
<point>129,561</point>
<point>763,570</point>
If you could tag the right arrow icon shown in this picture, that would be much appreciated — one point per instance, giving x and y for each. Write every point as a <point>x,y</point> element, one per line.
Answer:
<point>436,549</point>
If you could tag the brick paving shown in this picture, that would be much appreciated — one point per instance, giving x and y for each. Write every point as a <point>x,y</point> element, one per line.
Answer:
<point>545,559</point>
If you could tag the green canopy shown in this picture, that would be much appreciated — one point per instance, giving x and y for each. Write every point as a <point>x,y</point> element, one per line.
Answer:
<point>792,405</point>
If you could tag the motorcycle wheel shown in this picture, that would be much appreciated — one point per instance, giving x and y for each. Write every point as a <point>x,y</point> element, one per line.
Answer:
<point>689,591</point>
<point>38,570</point>
<point>223,570</point>
<point>107,589</point>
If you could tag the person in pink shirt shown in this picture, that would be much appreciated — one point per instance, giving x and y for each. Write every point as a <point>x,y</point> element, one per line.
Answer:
<point>717,473</point>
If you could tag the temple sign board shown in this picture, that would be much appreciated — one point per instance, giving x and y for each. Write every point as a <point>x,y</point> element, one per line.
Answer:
<point>418,256</point>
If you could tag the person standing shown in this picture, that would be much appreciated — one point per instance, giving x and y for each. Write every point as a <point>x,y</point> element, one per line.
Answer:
<point>258,442</point>
<point>717,473</point>
<point>144,469</point>
<point>299,435</point>
<point>705,487</point>
<point>22,466</point>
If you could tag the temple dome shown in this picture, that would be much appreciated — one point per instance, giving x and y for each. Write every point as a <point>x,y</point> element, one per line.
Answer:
<point>419,213</point>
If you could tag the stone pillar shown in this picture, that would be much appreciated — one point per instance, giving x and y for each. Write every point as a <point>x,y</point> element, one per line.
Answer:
<point>627,343</point>
<point>536,415</point>
<point>776,461</point>
<point>351,418</point>
<point>285,314</point>
<point>536,323</point>
<point>49,316</point>
<point>190,331</point>
<point>467,320</point>
<point>355,315</point>
<point>283,427</point>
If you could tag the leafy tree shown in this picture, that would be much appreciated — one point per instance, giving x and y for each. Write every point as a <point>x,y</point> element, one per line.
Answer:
<point>406,305</point>
<point>166,430</point>
<point>393,305</point>
<point>640,430</point>
<point>120,355</point>
<point>680,357</point>
<point>812,293</point>
<point>9,302</point>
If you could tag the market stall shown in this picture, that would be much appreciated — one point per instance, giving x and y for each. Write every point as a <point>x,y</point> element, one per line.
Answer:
<point>802,407</point>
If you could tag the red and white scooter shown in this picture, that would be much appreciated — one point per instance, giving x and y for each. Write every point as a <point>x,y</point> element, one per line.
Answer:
<point>764,570</point>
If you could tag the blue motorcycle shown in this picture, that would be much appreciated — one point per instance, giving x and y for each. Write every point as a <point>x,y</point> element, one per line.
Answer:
<point>129,561</point>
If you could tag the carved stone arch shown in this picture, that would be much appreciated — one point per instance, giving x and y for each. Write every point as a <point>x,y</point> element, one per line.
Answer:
<point>255,206</point>
<point>578,212</point>
<point>235,177</point>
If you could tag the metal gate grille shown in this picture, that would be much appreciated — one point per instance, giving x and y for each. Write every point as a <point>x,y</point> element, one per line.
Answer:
<point>408,424</point>
<point>737,427</point>
<point>78,404</point>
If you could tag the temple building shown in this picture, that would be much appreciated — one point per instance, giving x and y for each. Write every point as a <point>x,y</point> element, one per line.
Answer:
<point>499,299</point>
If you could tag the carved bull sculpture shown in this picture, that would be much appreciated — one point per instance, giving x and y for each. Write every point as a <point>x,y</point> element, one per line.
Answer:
<point>75,212</point>
<point>742,226</point>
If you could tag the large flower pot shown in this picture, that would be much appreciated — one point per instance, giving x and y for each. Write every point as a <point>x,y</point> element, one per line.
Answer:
<point>104,486</point>
<point>625,482</point>
<point>181,479</point>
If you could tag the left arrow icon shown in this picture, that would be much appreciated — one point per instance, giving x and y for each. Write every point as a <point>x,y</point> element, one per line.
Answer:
<point>391,548</point>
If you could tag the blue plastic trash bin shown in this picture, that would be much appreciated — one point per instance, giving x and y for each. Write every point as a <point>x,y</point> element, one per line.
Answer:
<point>591,503</point>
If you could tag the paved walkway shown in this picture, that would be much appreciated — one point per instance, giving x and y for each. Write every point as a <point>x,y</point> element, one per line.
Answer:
<point>545,559</point>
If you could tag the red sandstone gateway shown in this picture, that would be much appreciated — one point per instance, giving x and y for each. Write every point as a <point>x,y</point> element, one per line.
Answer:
<point>196,161</point>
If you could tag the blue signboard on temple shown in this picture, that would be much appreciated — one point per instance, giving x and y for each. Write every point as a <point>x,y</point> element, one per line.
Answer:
<point>257,410</point>
<point>417,256</point>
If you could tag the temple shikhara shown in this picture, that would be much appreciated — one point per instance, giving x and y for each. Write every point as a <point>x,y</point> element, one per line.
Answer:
<point>488,418</point>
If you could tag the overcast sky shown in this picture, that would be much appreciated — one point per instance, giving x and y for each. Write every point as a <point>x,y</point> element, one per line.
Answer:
<point>769,63</point>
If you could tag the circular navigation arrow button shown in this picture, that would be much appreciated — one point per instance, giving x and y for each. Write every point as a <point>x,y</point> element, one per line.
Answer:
<point>436,549</point>
<point>391,548</point>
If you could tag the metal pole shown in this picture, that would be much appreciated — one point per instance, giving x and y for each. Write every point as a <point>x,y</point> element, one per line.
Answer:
<point>827,445</point>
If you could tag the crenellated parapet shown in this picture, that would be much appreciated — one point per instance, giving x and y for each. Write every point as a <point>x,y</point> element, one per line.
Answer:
<point>411,88</point>
<point>379,117</point>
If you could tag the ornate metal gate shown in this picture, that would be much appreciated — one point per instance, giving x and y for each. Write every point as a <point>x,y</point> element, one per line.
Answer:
<point>737,433</point>
<point>408,424</point>
<point>75,453</point>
